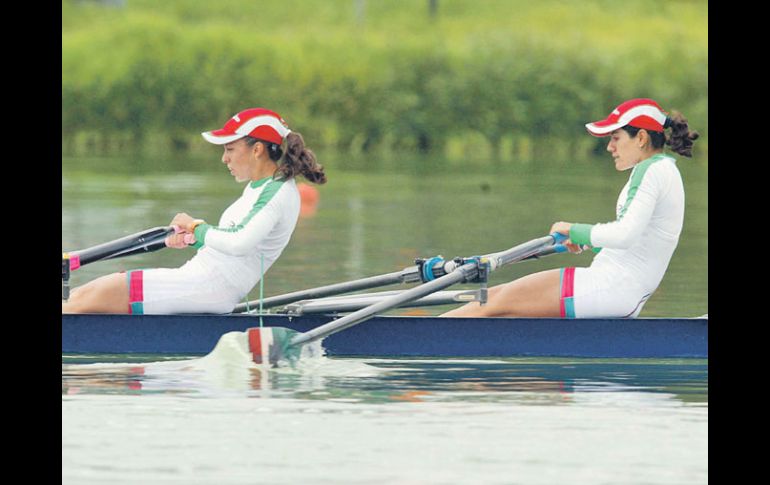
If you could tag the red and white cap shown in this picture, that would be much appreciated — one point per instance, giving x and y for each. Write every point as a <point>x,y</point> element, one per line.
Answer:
<point>639,113</point>
<point>257,123</point>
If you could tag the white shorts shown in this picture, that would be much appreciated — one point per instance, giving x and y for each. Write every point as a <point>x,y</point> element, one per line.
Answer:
<point>586,293</point>
<point>179,290</point>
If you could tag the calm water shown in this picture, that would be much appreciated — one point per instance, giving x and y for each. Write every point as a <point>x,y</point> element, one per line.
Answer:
<point>218,419</point>
<point>507,421</point>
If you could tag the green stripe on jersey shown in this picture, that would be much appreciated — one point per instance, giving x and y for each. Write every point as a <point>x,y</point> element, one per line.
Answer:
<point>266,196</point>
<point>637,175</point>
<point>259,183</point>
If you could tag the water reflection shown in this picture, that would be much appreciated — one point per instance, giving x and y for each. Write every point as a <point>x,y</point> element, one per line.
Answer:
<point>361,380</point>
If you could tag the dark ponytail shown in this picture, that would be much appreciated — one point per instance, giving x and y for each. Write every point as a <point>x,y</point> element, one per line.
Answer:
<point>681,138</point>
<point>300,160</point>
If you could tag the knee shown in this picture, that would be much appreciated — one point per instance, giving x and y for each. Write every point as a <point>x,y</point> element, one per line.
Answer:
<point>491,308</point>
<point>70,306</point>
<point>77,301</point>
<point>107,294</point>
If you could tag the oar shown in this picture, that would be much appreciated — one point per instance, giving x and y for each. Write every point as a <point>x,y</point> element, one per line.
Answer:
<point>407,275</point>
<point>436,267</point>
<point>555,249</point>
<point>272,344</point>
<point>349,303</point>
<point>142,242</point>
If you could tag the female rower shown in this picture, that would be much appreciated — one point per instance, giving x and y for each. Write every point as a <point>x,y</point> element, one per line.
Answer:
<point>634,250</point>
<point>233,254</point>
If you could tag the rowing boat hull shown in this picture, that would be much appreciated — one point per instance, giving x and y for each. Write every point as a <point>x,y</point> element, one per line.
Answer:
<point>390,336</point>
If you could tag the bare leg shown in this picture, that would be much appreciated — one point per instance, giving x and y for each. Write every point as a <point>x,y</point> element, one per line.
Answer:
<point>106,294</point>
<point>534,295</point>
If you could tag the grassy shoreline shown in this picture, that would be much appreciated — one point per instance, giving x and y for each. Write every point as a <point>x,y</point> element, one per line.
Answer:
<point>482,79</point>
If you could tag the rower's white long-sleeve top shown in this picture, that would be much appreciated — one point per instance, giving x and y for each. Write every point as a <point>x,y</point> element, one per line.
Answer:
<point>650,214</point>
<point>251,234</point>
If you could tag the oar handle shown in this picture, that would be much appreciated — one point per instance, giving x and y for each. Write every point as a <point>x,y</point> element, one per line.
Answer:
<point>432,268</point>
<point>558,237</point>
<point>525,250</point>
<point>146,246</point>
<point>555,249</point>
<point>144,241</point>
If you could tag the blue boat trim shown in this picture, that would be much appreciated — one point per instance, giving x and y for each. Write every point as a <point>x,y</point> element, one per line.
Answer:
<point>400,335</point>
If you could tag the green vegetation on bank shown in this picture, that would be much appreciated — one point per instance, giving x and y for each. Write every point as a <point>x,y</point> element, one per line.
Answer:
<point>500,78</point>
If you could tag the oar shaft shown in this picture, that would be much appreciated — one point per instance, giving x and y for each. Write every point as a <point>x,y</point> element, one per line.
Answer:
<point>466,272</point>
<point>555,249</point>
<point>460,274</point>
<point>522,251</point>
<point>351,303</point>
<point>407,275</point>
<point>147,246</point>
<point>139,242</point>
